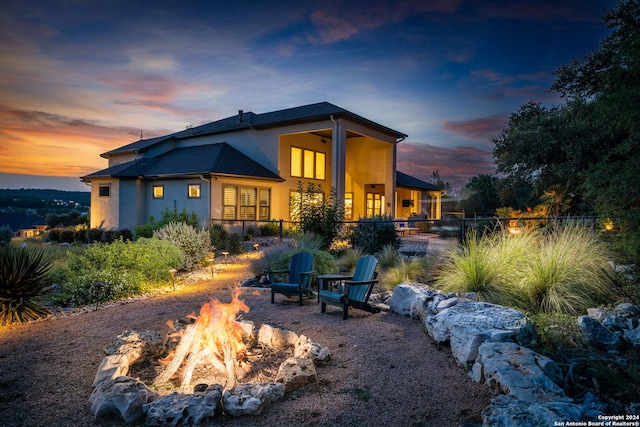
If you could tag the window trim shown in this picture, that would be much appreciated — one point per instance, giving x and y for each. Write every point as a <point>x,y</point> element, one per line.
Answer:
<point>194,186</point>
<point>153,192</point>
<point>107,187</point>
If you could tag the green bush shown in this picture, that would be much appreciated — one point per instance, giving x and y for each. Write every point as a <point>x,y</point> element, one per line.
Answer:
<point>125,268</point>
<point>5,235</point>
<point>269,229</point>
<point>372,234</point>
<point>23,273</point>
<point>67,236</point>
<point>318,213</point>
<point>218,235</point>
<point>235,244</point>
<point>95,235</point>
<point>194,244</point>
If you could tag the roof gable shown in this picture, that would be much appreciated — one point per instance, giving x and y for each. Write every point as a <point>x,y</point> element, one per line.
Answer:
<point>245,120</point>
<point>216,159</point>
<point>408,181</point>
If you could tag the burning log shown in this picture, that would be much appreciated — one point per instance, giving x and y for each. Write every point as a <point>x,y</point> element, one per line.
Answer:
<point>215,338</point>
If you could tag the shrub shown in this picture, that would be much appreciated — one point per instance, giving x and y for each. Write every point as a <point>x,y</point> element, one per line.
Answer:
<point>235,245</point>
<point>318,213</point>
<point>23,273</point>
<point>372,234</point>
<point>218,235</point>
<point>67,236</point>
<point>278,257</point>
<point>95,235</point>
<point>123,267</point>
<point>269,229</point>
<point>143,231</point>
<point>194,244</point>
<point>5,235</point>
<point>556,331</point>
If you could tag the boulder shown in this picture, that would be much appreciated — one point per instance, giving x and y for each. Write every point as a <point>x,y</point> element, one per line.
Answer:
<point>597,335</point>
<point>467,324</point>
<point>276,336</point>
<point>307,349</point>
<point>111,367</point>
<point>123,396</point>
<point>411,300</point>
<point>295,373</point>
<point>518,372</point>
<point>251,399</point>
<point>506,411</point>
<point>177,409</point>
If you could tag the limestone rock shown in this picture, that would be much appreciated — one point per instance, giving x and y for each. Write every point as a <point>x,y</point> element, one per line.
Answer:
<point>307,349</point>
<point>411,300</point>
<point>251,399</point>
<point>519,372</point>
<point>505,411</point>
<point>295,373</point>
<point>276,336</point>
<point>597,335</point>
<point>111,367</point>
<point>178,409</point>
<point>468,324</point>
<point>123,396</point>
<point>137,345</point>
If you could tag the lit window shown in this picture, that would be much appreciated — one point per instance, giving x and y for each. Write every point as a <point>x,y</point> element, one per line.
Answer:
<point>158,191</point>
<point>194,191</point>
<point>348,205</point>
<point>307,163</point>
<point>244,202</point>
<point>104,190</point>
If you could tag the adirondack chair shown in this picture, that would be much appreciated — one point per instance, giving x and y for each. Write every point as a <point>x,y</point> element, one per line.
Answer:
<point>298,282</point>
<point>356,290</point>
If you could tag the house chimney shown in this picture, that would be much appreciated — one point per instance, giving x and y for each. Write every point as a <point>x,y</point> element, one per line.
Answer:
<point>240,112</point>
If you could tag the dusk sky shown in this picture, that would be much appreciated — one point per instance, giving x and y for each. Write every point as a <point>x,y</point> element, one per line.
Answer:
<point>79,78</point>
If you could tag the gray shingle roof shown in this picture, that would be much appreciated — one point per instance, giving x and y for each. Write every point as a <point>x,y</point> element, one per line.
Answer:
<point>218,159</point>
<point>407,181</point>
<point>303,114</point>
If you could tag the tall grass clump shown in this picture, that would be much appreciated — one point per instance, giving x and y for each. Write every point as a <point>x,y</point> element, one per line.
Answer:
<point>568,272</point>
<point>388,256</point>
<point>483,265</point>
<point>406,270</point>
<point>560,269</point>
<point>348,260</point>
<point>23,273</point>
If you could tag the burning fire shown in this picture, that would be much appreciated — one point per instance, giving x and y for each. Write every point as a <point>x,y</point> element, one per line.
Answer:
<point>215,338</point>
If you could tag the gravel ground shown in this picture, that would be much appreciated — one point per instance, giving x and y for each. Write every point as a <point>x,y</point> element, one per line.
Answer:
<point>385,370</point>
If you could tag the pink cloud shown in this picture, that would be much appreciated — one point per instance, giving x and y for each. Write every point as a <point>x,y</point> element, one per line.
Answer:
<point>482,128</point>
<point>336,22</point>
<point>454,164</point>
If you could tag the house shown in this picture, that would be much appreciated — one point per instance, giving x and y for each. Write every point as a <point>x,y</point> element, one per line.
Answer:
<point>248,166</point>
<point>23,225</point>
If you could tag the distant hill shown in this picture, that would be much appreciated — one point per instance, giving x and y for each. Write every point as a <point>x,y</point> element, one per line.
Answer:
<point>34,198</point>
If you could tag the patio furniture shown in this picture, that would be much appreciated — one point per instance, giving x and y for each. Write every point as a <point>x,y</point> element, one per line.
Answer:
<point>297,278</point>
<point>356,291</point>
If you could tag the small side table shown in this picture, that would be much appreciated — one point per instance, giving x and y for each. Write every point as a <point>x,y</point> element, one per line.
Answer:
<point>325,280</point>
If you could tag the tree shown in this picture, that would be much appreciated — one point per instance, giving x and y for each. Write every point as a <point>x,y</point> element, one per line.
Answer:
<point>587,149</point>
<point>480,195</point>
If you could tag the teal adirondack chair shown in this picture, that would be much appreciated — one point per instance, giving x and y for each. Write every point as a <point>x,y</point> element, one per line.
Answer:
<point>298,281</point>
<point>357,290</point>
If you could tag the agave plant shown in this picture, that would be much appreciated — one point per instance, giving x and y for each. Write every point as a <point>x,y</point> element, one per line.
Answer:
<point>22,280</point>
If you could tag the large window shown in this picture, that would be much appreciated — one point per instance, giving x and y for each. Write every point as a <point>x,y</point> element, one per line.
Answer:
<point>246,203</point>
<point>104,190</point>
<point>307,163</point>
<point>194,191</point>
<point>375,204</point>
<point>348,205</point>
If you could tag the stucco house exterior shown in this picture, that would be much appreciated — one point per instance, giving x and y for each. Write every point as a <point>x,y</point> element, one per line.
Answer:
<point>248,166</point>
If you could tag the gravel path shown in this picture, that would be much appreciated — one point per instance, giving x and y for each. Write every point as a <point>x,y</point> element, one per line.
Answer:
<point>385,370</point>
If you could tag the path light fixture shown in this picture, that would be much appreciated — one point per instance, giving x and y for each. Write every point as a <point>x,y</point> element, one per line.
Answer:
<point>173,272</point>
<point>211,264</point>
<point>225,253</point>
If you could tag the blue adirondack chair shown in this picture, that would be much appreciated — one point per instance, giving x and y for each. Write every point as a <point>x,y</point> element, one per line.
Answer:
<point>357,290</point>
<point>298,278</point>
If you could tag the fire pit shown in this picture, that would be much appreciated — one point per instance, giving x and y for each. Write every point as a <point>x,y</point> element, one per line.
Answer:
<point>195,371</point>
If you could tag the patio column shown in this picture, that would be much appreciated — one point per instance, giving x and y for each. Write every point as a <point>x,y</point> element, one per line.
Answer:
<point>338,155</point>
